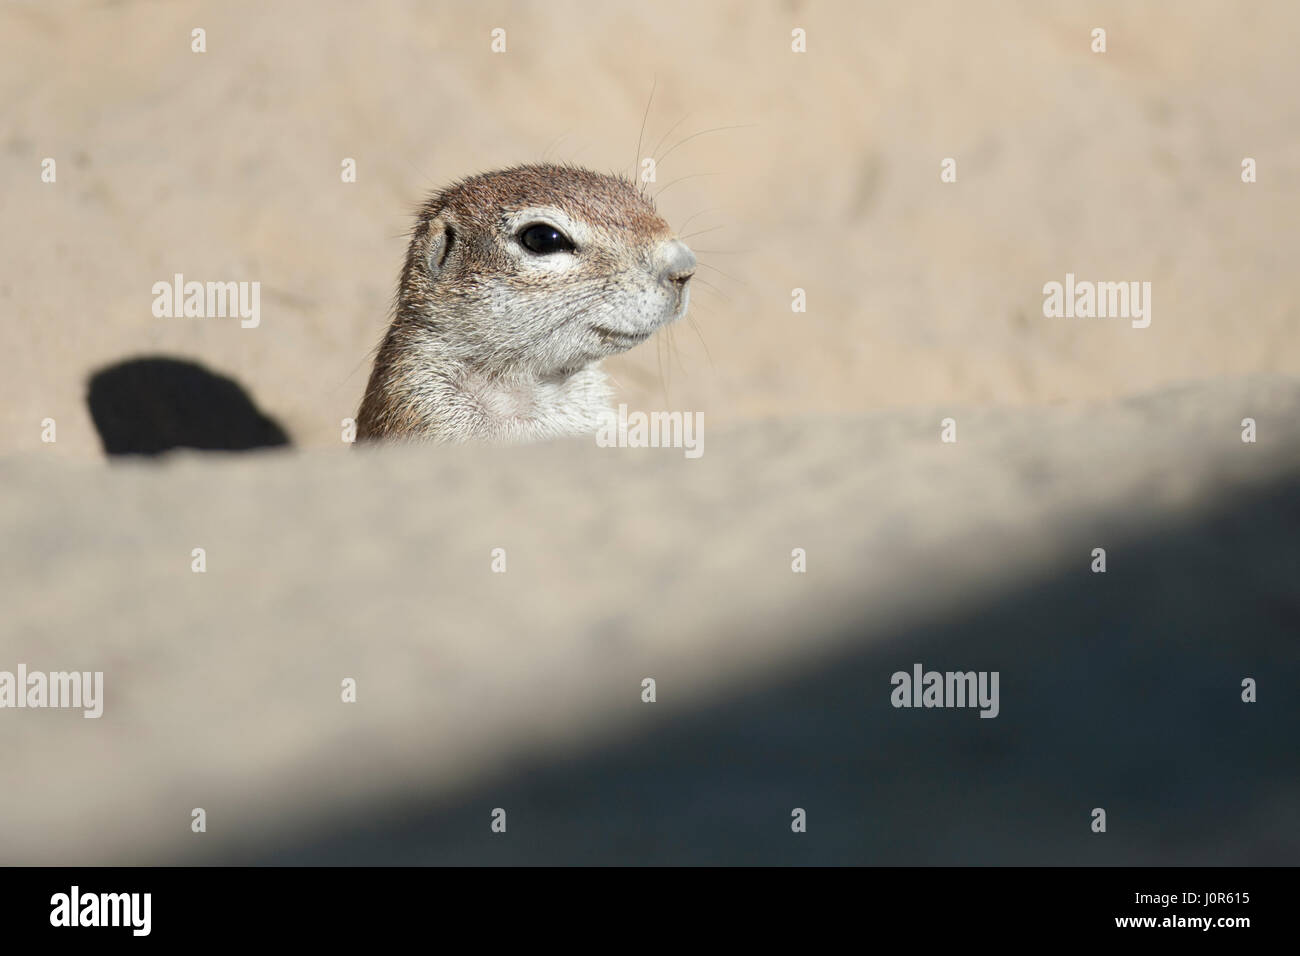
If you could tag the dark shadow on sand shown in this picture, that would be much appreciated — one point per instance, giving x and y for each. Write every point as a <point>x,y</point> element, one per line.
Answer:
<point>147,406</point>
<point>1119,690</point>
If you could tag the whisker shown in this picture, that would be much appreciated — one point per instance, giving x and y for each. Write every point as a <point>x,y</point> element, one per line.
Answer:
<point>712,288</point>
<point>701,232</point>
<point>555,143</point>
<point>720,272</point>
<point>636,160</point>
<point>690,219</point>
<point>659,354</point>
<point>716,129</point>
<point>655,151</point>
<point>695,327</point>
<point>681,179</point>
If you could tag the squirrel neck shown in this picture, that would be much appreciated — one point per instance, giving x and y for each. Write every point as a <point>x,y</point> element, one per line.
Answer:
<point>433,392</point>
<point>519,405</point>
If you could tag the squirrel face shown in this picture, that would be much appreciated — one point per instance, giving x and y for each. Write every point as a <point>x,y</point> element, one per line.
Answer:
<point>543,268</point>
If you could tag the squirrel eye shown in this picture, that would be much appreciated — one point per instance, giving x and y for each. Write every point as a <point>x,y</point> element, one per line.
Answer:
<point>543,240</point>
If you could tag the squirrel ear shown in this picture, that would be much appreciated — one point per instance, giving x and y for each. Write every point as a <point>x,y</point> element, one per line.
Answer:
<point>442,237</point>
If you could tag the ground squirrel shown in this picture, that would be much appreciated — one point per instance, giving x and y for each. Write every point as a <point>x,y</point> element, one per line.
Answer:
<point>516,284</point>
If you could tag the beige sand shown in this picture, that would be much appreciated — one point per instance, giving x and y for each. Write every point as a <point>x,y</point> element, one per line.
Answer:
<point>522,690</point>
<point>226,165</point>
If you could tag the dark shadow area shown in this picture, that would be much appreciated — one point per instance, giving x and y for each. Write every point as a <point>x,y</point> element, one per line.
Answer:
<point>1119,690</point>
<point>147,406</point>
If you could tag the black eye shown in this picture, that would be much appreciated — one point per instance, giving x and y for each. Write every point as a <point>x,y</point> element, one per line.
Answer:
<point>543,240</point>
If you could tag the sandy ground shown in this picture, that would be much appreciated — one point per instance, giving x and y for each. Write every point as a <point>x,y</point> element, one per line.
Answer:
<point>522,690</point>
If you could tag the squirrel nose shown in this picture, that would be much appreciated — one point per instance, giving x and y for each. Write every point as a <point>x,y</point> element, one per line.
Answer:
<point>676,261</point>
